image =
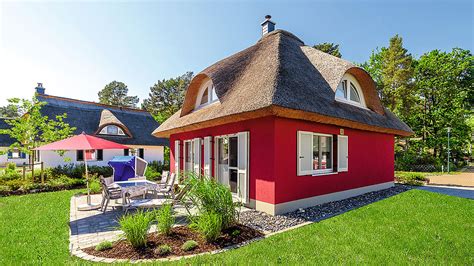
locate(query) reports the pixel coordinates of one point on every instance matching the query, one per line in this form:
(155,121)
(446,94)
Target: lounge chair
(166,189)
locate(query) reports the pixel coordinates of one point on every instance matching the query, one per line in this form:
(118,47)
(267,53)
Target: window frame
(313,172)
(351,80)
(120,131)
(211,95)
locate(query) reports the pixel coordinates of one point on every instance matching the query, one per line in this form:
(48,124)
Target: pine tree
(329,48)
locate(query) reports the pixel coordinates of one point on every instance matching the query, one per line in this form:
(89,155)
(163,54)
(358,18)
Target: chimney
(39,89)
(267,25)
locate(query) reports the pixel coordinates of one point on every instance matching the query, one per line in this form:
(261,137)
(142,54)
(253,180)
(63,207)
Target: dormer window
(112,130)
(349,91)
(207,95)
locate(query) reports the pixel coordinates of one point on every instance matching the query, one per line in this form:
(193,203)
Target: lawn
(413,227)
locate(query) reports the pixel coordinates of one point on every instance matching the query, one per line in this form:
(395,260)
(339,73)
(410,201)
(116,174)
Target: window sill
(326,173)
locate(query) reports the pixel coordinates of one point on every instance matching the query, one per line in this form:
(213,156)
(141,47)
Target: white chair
(166,189)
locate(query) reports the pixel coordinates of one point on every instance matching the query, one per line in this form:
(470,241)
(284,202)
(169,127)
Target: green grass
(415,227)
(34,228)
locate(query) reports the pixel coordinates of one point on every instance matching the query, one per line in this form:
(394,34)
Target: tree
(9,111)
(166,96)
(374,67)
(32,129)
(445,81)
(115,93)
(329,47)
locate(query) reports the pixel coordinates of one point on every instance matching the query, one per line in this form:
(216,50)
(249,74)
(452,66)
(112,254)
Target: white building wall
(4,159)
(53,159)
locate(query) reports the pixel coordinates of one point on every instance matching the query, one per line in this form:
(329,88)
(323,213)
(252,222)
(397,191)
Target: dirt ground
(464,179)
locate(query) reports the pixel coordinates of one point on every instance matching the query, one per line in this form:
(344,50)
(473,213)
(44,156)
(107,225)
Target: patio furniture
(166,189)
(108,193)
(128,167)
(133,188)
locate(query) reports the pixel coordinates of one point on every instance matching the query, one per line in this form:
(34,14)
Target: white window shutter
(342,154)
(207,156)
(197,155)
(177,157)
(305,150)
(243,166)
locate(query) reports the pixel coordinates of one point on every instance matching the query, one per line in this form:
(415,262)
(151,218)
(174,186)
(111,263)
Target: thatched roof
(90,117)
(281,76)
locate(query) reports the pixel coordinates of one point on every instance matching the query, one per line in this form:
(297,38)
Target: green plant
(11,167)
(135,227)
(189,245)
(165,219)
(163,250)
(78,170)
(236,232)
(410,178)
(95,187)
(104,245)
(209,196)
(209,224)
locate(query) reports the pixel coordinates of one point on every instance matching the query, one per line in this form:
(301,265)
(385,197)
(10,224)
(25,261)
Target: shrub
(410,178)
(163,250)
(151,174)
(135,227)
(209,196)
(189,245)
(95,187)
(165,219)
(78,170)
(104,245)
(10,167)
(209,224)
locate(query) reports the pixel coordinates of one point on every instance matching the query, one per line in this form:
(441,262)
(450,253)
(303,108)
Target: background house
(285,126)
(128,126)
(6,156)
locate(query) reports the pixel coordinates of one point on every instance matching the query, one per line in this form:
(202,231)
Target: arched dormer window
(206,95)
(349,91)
(112,130)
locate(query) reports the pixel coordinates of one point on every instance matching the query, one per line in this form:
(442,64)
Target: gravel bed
(268,223)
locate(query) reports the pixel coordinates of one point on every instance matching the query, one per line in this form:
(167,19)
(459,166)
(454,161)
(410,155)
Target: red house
(285,126)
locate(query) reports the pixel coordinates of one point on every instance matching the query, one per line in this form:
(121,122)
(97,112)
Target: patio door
(188,156)
(232,163)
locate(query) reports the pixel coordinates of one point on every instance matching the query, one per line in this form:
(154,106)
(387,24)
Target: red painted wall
(261,150)
(371,161)
(273,158)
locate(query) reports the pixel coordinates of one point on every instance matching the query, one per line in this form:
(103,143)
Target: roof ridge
(93,103)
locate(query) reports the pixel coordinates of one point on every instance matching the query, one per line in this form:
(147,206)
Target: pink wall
(371,161)
(273,159)
(261,149)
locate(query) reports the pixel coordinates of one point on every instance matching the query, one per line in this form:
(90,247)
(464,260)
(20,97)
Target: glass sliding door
(188,156)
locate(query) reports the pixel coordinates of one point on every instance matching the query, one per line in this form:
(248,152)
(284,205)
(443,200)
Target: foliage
(410,178)
(155,168)
(189,245)
(329,47)
(209,224)
(163,250)
(9,111)
(104,245)
(209,196)
(380,232)
(19,185)
(78,170)
(94,186)
(135,227)
(116,93)
(33,129)
(165,219)
(166,96)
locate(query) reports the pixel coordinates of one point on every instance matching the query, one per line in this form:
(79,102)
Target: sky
(76,48)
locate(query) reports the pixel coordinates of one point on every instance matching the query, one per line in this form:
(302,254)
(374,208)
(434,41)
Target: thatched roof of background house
(281,76)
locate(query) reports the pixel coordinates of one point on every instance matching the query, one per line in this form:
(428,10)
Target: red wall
(261,150)
(273,159)
(371,161)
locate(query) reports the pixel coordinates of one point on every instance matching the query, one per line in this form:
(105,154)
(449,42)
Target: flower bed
(122,249)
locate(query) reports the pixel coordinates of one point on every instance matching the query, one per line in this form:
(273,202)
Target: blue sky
(75,48)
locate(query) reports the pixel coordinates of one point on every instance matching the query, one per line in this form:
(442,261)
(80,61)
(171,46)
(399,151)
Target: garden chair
(166,189)
(108,193)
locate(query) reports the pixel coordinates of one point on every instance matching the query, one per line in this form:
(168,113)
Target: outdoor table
(130,186)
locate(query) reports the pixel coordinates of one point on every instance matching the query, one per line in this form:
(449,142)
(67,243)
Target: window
(126,152)
(349,91)
(207,95)
(79,155)
(112,130)
(315,153)
(100,155)
(16,154)
(141,153)
(37,156)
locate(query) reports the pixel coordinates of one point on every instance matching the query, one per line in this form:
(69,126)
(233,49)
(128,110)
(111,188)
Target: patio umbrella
(87,143)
